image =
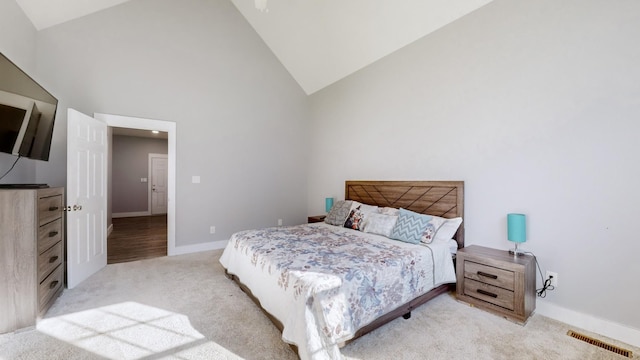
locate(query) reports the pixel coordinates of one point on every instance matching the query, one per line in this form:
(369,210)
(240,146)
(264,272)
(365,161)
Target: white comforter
(325,282)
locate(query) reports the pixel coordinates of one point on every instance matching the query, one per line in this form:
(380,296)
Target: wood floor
(137,238)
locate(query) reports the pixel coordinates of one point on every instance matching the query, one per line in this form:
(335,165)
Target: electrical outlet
(212,230)
(279,222)
(554,280)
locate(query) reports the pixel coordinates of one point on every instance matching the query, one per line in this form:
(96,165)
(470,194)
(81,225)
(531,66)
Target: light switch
(195,179)
(143,179)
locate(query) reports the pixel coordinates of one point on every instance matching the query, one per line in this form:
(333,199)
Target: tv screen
(27,113)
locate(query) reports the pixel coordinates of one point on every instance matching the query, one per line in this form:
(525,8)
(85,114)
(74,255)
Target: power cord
(542,293)
(546,284)
(12,166)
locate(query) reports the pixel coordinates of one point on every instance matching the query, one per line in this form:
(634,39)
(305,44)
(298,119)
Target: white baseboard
(130,214)
(591,323)
(109,229)
(188,249)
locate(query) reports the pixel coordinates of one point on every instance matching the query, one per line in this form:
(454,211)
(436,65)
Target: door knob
(73,208)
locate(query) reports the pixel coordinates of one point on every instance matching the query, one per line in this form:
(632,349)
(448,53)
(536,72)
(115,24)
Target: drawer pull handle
(53,233)
(490,276)
(53,284)
(53,208)
(53,259)
(487,293)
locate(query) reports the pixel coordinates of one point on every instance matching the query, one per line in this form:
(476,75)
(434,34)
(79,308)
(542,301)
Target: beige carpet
(183,307)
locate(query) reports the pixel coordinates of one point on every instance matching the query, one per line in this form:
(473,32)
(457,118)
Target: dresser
(31,254)
(497,281)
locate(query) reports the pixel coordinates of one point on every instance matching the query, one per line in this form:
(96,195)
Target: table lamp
(328,204)
(516,232)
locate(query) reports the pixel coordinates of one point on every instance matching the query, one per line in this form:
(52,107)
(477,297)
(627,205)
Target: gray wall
(130,163)
(18,43)
(241,119)
(534,104)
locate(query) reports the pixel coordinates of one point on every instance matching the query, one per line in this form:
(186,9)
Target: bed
(324,285)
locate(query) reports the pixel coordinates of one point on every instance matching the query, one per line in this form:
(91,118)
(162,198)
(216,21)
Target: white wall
(534,104)
(18,43)
(17,36)
(241,120)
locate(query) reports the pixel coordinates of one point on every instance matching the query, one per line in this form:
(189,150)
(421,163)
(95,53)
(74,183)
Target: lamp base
(516,251)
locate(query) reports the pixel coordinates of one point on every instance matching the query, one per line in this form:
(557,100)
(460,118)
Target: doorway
(137,192)
(164,126)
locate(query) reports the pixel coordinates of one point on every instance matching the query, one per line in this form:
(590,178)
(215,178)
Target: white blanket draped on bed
(325,282)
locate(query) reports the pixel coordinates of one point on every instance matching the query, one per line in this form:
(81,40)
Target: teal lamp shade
(516,228)
(516,231)
(328,204)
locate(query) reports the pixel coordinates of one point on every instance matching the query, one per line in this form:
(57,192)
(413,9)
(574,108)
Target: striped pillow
(410,226)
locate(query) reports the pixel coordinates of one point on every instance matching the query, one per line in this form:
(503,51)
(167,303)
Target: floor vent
(600,344)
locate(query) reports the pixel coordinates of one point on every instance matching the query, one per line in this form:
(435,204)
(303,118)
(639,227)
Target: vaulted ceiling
(318,41)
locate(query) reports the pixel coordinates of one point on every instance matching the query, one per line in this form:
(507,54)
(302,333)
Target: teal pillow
(410,226)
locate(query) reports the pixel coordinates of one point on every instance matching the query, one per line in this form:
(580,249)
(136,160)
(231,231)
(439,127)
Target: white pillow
(366,209)
(453,246)
(380,224)
(448,229)
(389,211)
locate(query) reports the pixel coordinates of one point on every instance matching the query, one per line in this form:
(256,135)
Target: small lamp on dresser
(516,232)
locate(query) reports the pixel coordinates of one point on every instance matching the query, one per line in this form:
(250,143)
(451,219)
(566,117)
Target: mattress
(324,282)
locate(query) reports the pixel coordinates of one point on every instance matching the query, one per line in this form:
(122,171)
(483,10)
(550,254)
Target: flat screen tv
(27,113)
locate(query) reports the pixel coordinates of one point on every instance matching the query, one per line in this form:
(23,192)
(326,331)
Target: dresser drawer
(49,260)
(489,293)
(49,234)
(489,275)
(49,209)
(50,286)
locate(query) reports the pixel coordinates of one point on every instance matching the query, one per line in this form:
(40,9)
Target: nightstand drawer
(489,293)
(489,275)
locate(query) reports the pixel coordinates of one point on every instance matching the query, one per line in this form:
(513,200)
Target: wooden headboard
(439,198)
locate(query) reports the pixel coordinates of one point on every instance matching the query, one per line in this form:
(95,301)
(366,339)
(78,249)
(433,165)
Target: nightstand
(497,281)
(316,218)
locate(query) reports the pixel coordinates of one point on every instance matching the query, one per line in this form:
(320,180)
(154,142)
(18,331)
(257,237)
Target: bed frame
(440,198)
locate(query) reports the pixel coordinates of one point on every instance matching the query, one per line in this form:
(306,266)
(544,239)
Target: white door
(86,197)
(158,165)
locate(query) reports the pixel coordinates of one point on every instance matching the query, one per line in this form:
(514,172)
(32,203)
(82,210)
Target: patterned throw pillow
(338,213)
(410,226)
(430,232)
(358,214)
